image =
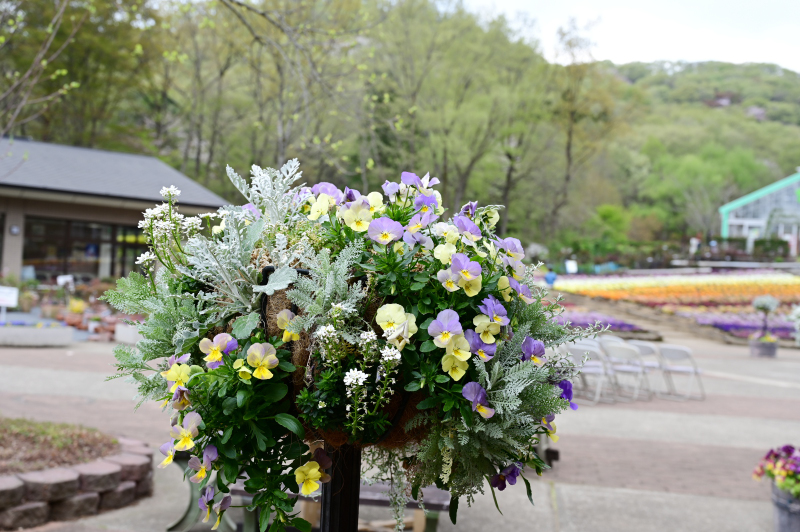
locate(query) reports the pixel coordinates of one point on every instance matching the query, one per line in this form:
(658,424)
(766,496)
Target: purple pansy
(468,269)
(475,393)
(180,398)
(390,188)
(205,501)
(495,310)
(566,393)
(220,507)
(513,248)
(183,359)
(532,350)
(210,455)
(469,209)
(222,344)
(448,278)
(328,188)
(425,203)
(445,327)
(479,347)
(509,474)
(467,228)
(522,290)
(420,221)
(411,179)
(418,238)
(350,194)
(385,230)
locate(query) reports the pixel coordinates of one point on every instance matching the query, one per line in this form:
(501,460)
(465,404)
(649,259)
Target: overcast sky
(734,31)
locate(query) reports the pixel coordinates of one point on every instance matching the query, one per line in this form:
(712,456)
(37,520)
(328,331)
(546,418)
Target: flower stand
(763,349)
(787,511)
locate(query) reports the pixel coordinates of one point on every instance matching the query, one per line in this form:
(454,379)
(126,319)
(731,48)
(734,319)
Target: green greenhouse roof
(760,193)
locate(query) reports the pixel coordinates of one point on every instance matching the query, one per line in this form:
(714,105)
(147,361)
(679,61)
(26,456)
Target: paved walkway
(645,466)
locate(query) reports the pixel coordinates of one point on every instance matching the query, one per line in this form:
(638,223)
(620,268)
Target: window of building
(85,250)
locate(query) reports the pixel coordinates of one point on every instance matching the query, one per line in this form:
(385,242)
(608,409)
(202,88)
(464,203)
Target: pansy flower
(479,347)
(495,310)
(210,455)
(220,508)
(351,194)
(222,344)
(532,350)
(178,373)
(444,252)
(472,287)
(168,450)
(358,216)
(330,190)
(307,477)
(320,206)
(180,398)
(419,221)
(243,371)
(205,501)
(467,228)
(504,287)
(486,328)
(469,209)
(459,347)
(522,290)
(468,269)
(186,432)
(418,238)
(445,327)
(385,230)
(566,393)
(375,202)
(426,203)
(262,358)
(252,209)
(390,189)
(401,334)
(447,231)
(512,247)
(475,393)
(509,474)
(550,427)
(449,280)
(284,318)
(454,366)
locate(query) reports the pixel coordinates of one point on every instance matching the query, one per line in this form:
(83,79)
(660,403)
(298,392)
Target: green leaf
(428,346)
(241,396)
(494,496)
(418,286)
(273,393)
(301,524)
(291,423)
(453,509)
(441,379)
(413,386)
(466,412)
(287,366)
(277,526)
(227,434)
(244,325)
(228,406)
(422,277)
(528,489)
(429,402)
(263,519)
(415,492)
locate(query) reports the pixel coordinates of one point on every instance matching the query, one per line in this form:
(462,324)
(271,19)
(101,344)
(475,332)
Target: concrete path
(646,466)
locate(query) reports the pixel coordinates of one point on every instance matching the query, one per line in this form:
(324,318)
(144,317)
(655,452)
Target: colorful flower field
(738,320)
(697,289)
(582,317)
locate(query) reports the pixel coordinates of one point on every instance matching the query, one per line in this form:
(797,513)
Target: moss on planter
(27,445)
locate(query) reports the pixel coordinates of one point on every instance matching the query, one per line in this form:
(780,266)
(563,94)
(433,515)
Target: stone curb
(64,493)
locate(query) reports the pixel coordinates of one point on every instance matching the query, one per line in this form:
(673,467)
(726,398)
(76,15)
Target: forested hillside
(586,155)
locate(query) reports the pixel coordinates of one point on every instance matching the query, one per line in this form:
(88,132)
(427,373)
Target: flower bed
(92,472)
(581,317)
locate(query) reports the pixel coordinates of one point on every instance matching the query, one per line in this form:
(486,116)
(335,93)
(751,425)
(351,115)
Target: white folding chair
(677,359)
(611,338)
(625,360)
(597,366)
(651,358)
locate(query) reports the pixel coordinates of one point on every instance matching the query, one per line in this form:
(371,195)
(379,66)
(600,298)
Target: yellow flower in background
(444,253)
(284,318)
(262,358)
(320,206)
(505,288)
(307,477)
(77,306)
(472,287)
(454,367)
(244,372)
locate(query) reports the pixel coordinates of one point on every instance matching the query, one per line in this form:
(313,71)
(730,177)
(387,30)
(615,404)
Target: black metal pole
(340,495)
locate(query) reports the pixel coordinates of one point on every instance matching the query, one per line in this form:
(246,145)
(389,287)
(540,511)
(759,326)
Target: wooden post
(340,495)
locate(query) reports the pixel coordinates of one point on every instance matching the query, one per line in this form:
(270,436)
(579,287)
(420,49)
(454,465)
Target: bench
(436,501)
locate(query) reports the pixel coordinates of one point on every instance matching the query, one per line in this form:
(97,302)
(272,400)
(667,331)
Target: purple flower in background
(566,393)
(475,393)
(468,269)
(249,207)
(210,454)
(205,500)
(350,194)
(385,230)
(469,209)
(513,247)
(411,179)
(522,290)
(445,327)
(425,203)
(495,310)
(509,474)
(390,189)
(532,350)
(467,228)
(418,238)
(479,347)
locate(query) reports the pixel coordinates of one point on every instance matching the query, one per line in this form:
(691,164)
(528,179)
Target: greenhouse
(770,212)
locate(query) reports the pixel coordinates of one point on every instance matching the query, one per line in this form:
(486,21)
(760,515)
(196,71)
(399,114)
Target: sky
(622,31)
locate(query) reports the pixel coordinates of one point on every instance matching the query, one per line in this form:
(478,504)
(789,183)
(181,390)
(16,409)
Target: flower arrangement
(319,315)
(766,305)
(782,465)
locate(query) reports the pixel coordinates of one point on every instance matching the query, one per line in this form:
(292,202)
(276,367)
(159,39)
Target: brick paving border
(64,493)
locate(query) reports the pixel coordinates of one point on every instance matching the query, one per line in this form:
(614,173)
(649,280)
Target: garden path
(645,466)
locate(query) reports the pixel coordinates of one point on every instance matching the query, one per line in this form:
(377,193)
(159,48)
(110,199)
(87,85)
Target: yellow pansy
(262,358)
(244,371)
(492,217)
(455,367)
(307,477)
(284,318)
(375,200)
(179,374)
(399,248)
(471,287)
(390,316)
(444,253)
(486,328)
(505,288)
(320,206)
(459,347)
(358,217)
(402,333)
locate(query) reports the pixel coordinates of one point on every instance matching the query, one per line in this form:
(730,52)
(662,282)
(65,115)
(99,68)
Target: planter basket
(763,349)
(400,410)
(787,511)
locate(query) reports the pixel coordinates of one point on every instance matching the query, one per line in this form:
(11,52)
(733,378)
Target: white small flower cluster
(146,258)
(170,192)
(208,215)
(368,337)
(355,377)
(192,225)
(322,404)
(326,332)
(390,354)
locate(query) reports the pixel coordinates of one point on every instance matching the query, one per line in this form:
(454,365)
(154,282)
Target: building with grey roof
(68,210)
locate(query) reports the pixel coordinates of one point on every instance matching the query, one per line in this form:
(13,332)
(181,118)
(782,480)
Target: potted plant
(405,342)
(783,467)
(762,343)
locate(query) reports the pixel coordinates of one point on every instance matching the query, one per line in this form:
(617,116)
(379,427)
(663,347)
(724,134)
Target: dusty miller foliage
(272,191)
